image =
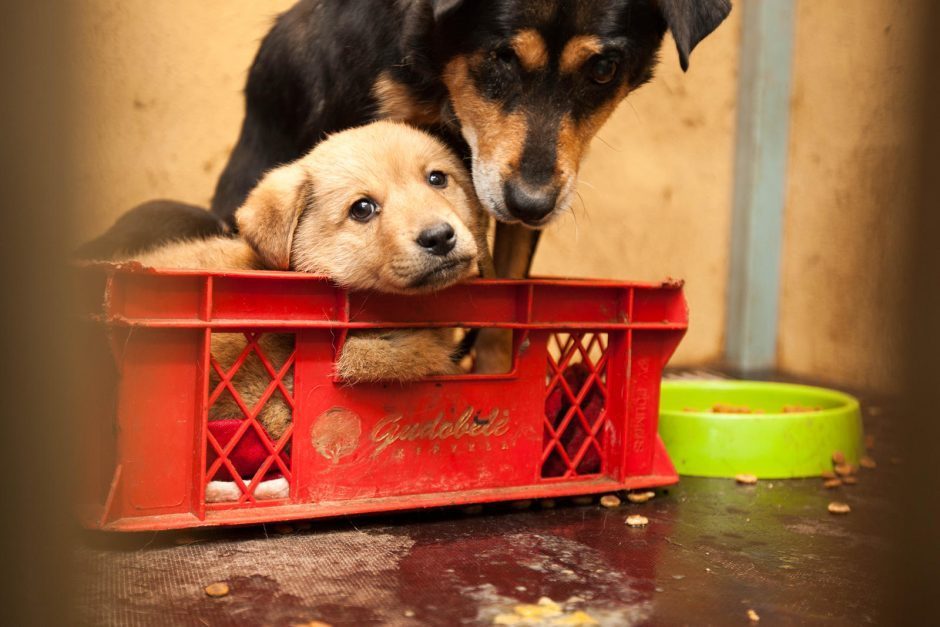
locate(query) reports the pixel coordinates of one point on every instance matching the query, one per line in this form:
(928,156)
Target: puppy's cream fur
(297,218)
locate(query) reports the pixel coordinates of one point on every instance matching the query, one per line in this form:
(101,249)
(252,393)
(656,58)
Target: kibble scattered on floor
(837,507)
(218,589)
(641,497)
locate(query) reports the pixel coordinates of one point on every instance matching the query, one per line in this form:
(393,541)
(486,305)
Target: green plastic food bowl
(769,445)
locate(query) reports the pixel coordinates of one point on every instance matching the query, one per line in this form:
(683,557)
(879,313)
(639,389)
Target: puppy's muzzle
(531,205)
(445,271)
(438,240)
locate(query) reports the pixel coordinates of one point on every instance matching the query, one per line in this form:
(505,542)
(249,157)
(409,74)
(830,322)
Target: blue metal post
(760,183)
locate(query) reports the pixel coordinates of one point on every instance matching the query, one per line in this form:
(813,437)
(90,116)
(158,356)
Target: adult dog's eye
(602,70)
(437,179)
(505,55)
(363,210)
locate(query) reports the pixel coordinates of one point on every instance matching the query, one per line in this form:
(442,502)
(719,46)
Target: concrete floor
(712,550)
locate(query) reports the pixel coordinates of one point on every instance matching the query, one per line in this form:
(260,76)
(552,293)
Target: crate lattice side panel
(576,425)
(250,419)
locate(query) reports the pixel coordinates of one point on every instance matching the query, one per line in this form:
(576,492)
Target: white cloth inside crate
(228,491)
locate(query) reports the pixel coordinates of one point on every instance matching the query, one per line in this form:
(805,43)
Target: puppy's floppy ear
(690,21)
(443,7)
(269,216)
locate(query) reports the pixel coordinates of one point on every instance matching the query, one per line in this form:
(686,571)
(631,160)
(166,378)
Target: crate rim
(133,267)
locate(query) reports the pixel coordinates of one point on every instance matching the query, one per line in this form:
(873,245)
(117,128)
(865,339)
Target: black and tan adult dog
(519,87)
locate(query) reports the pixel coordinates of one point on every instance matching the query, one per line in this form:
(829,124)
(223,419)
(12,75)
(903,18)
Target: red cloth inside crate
(556,407)
(247,456)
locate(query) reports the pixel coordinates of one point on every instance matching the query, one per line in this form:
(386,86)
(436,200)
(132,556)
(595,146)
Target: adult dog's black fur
(519,87)
(153,224)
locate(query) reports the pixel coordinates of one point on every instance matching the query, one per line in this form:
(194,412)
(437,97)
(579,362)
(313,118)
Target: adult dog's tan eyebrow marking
(531,50)
(395,102)
(578,50)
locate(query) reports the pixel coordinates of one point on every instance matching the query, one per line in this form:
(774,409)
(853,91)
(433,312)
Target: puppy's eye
(363,210)
(437,179)
(602,69)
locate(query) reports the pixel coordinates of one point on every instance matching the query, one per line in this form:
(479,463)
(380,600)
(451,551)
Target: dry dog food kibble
(844,470)
(828,475)
(838,457)
(609,500)
(832,483)
(746,479)
(640,497)
(837,507)
(545,612)
(637,521)
(867,462)
(752,616)
(849,480)
(219,589)
(799,409)
(723,408)
(728,408)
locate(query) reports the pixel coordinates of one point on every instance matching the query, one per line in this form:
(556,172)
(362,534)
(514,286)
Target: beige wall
(161,97)
(848,190)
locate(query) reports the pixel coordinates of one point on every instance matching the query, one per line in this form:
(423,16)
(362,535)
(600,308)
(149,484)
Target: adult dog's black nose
(438,240)
(529,204)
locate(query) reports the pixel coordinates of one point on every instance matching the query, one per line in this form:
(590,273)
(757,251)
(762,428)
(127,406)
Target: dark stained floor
(712,550)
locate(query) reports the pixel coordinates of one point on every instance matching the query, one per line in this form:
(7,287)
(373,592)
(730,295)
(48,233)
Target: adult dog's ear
(269,216)
(690,21)
(443,7)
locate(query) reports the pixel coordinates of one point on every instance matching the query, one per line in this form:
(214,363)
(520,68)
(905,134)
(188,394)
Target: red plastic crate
(576,415)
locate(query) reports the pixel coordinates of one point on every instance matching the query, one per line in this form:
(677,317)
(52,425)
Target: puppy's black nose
(531,205)
(438,240)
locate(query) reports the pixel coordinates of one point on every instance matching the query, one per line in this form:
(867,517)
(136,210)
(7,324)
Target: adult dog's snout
(531,205)
(438,240)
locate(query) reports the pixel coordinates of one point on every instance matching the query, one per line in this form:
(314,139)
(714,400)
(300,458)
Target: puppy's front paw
(396,356)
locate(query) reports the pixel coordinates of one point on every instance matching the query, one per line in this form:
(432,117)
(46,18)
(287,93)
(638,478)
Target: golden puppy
(381,207)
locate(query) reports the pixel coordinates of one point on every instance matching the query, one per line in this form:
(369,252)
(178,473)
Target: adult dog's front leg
(513,251)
